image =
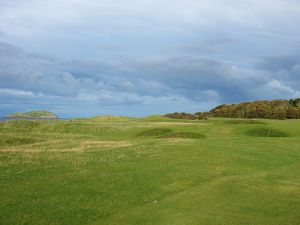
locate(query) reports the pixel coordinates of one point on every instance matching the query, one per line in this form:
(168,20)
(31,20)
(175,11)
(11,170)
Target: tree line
(276,109)
(188,116)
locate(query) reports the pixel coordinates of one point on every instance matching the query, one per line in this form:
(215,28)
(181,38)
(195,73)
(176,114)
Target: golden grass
(64,146)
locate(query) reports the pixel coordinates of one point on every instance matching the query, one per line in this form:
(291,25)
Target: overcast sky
(140,57)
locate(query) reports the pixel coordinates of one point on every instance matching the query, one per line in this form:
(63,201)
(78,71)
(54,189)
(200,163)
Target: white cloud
(15,93)
(279,89)
(68,27)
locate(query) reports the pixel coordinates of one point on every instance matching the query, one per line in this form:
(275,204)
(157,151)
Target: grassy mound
(190,135)
(243,122)
(154,132)
(266,132)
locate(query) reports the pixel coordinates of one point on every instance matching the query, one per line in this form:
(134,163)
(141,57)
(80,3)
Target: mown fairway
(151,171)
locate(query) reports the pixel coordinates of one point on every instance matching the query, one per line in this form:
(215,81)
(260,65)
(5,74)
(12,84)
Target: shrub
(182,115)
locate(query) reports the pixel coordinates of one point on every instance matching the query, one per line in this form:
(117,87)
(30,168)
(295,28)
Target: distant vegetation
(277,109)
(188,116)
(182,115)
(42,114)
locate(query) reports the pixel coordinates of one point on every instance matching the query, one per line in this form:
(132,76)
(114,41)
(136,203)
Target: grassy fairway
(114,170)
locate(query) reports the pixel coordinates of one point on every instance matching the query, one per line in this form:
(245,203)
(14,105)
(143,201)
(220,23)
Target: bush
(182,115)
(202,115)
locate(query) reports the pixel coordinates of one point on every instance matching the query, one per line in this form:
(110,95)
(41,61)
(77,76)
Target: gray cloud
(194,82)
(71,28)
(286,63)
(146,56)
(285,69)
(28,80)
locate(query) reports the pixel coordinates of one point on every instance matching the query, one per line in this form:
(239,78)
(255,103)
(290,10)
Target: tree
(293,113)
(202,115)
(279,113)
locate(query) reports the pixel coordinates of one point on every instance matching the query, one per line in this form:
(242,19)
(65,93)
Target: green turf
(103,171)
(243,121)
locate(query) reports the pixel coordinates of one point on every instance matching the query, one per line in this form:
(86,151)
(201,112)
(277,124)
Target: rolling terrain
(153,170)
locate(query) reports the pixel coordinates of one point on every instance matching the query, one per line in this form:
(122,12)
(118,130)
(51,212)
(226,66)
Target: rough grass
(266,132)
(191,135)
(246,121)
(99,171)
(13,141)
(154,132)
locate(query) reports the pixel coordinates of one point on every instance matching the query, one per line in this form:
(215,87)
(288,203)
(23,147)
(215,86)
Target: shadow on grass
(265,132)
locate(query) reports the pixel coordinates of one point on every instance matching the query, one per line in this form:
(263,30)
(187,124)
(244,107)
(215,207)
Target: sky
(80,58)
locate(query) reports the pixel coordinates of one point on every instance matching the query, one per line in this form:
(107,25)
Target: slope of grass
(99,171)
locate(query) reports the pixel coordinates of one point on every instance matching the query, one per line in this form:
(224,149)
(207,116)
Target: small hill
(41,114)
